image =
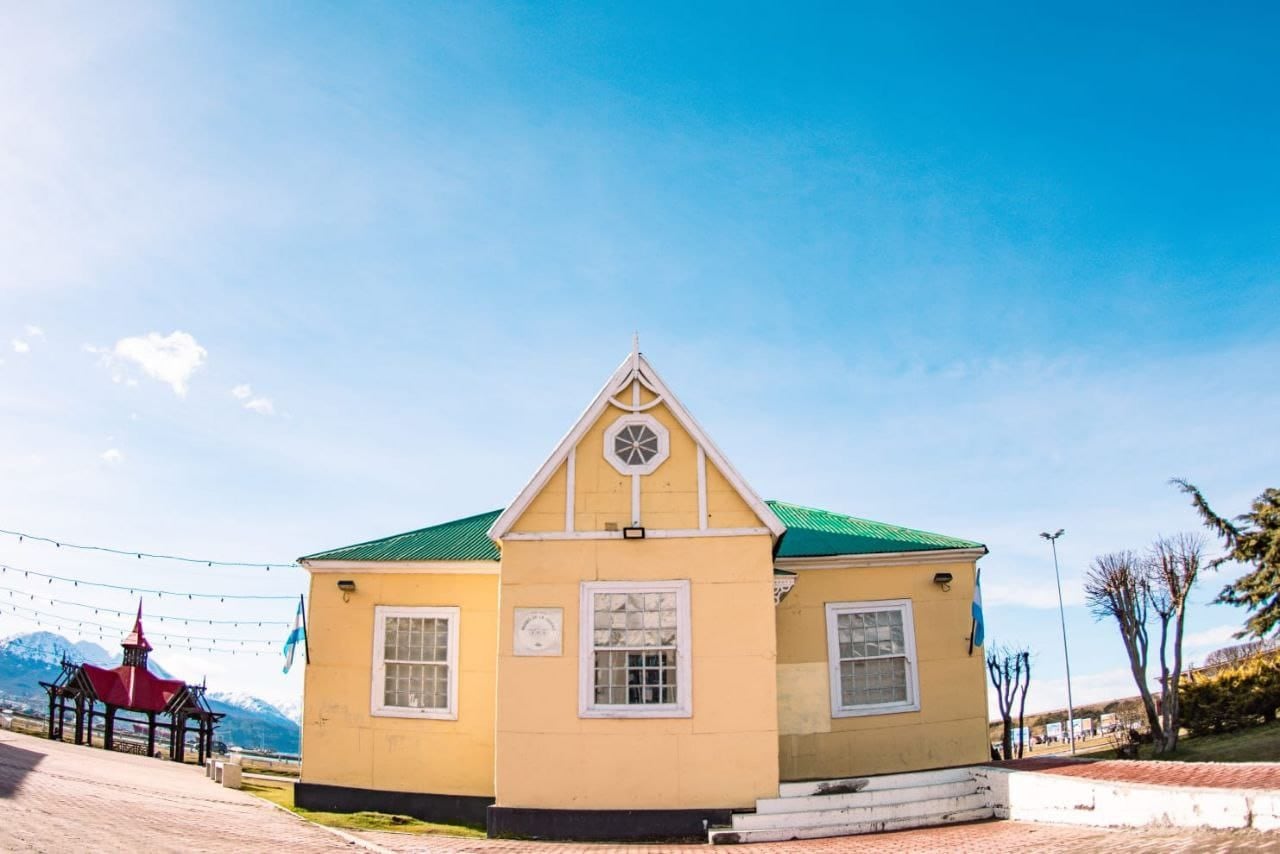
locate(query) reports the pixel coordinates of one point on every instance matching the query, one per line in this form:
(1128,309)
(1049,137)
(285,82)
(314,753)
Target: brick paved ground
(980,838)
(56,797)
(1213,775)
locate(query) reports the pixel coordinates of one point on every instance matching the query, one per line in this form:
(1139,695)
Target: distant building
(636,645)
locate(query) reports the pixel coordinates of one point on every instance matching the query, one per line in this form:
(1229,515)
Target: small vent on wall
(611,526)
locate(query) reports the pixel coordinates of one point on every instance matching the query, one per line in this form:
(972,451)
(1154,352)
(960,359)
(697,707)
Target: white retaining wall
(1031,796)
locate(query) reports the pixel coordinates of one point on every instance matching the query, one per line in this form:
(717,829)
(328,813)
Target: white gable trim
(508,517)
(635,368)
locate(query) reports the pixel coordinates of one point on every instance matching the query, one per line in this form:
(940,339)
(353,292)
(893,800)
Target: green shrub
(1240,695)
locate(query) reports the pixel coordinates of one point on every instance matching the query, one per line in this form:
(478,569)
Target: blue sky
(984,272)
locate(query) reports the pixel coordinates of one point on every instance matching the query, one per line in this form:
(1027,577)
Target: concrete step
(846,785)
(869,797)
(729,836)
(862,813)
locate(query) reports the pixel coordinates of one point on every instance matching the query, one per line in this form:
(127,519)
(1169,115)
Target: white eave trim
(649,533)
(882,559)
(634,366)
(392,567)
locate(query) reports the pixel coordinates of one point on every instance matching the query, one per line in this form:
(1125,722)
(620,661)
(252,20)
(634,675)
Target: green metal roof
(810,533)
(461,539)
(820,533)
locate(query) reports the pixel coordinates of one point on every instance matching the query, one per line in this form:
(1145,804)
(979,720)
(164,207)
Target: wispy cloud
(171,359)
(34,331)
(20,346)
(252,402)
(112,456)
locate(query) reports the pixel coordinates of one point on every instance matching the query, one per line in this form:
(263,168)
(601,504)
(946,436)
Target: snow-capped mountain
(249,703)
(51,648)
(291,710)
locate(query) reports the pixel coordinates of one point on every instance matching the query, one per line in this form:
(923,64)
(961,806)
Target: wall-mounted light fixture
(347,586)
(942,579)
(633,533)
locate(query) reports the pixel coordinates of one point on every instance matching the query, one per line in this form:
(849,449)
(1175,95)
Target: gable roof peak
(634,373)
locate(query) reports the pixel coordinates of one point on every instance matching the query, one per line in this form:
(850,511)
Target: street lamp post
(1062,615)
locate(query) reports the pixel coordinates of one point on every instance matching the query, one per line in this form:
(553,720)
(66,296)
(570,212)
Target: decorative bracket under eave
(783,581)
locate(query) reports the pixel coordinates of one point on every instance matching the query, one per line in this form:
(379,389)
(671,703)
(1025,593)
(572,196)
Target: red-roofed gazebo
(131,687)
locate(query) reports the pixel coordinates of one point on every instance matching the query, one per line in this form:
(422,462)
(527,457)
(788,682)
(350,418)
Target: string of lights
(22,536)
(161,617)
(54,623)
(169,635)
(76,582)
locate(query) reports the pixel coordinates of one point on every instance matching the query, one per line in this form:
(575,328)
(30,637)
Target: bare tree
(1241,652)
(1117,586)
(1173,566)
(1010,669)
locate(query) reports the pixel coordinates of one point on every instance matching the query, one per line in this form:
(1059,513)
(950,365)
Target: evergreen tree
(1252,538)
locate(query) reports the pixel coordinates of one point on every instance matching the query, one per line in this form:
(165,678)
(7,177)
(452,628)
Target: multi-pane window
(415,662)
(871,651)
(635,649)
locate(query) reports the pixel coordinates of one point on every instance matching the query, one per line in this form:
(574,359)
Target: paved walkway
(980,838)
(57,797)
(1212,775)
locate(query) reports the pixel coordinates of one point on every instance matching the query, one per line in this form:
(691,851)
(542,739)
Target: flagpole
(306,641)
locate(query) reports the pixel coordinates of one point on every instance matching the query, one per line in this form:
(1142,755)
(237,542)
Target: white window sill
(863,711)
(428,714)
(633,712)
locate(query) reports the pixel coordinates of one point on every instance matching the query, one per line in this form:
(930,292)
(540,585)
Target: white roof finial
(635,344)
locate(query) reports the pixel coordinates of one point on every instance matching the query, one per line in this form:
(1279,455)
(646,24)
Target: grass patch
(282,794)
(1255,744)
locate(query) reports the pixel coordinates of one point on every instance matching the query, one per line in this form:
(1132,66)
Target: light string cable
(21,535)
(75,657)
(6,568)
(80,623)
(69,624)
(161,617)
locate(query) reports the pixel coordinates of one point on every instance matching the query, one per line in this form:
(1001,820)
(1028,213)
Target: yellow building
(636,646)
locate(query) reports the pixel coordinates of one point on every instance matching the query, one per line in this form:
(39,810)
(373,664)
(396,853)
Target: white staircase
(862,805)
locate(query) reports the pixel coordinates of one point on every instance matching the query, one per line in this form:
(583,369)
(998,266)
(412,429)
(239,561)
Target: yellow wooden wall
(345,745)
(951,726)
(725,755)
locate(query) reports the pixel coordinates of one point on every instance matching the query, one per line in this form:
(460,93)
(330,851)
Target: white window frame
(644,420)
(834,609)
(377,698)
(587,705)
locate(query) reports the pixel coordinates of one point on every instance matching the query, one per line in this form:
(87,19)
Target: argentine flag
(298,635)
(978,628)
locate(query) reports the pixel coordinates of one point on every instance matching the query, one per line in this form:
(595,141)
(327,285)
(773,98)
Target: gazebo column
(108,739)
(52,719)
(151,734)
(200,754)
(79,719)
(88,724)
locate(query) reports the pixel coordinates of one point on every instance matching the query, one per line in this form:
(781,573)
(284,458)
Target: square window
(415,662)
(640,666)
(871,653)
